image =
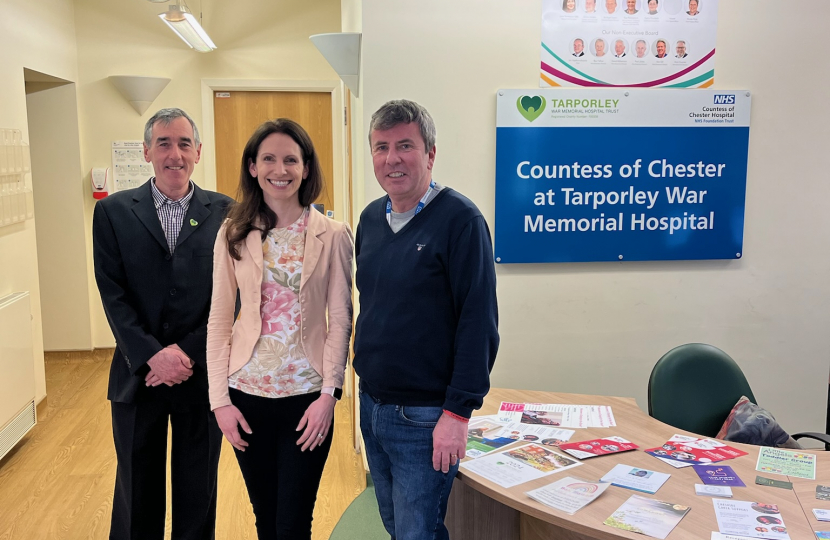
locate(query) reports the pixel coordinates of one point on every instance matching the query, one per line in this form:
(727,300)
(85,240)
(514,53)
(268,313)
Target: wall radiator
(17,371)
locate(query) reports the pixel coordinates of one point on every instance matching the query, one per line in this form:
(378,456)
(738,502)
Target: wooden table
(481,510)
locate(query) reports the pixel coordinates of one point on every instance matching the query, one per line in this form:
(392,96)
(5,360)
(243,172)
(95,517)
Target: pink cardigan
(326,282)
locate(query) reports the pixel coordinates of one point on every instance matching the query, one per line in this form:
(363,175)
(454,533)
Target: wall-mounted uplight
(185,25)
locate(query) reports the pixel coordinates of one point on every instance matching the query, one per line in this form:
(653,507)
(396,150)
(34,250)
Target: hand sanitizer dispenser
(100,178)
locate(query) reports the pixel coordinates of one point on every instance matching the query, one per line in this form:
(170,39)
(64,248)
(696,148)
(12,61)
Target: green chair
(694,387)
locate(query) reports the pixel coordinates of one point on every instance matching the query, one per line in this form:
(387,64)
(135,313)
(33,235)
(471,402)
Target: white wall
(57,181)
(256,41)
(39,36)
(599,328)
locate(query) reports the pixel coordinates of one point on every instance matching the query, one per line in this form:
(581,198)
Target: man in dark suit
(153,251)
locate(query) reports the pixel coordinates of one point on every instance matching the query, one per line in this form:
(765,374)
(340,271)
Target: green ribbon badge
(193,222)
(530,107)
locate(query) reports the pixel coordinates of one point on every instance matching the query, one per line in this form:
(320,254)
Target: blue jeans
(412,496)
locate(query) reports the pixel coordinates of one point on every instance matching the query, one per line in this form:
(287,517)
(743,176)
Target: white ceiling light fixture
(185,25)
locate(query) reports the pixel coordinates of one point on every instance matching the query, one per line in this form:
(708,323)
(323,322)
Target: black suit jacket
(153,298)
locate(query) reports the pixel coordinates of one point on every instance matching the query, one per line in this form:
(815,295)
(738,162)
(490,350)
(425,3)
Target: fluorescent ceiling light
(185,25)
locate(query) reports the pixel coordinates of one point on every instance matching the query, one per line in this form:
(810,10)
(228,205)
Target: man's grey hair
(403,111)
(165,116)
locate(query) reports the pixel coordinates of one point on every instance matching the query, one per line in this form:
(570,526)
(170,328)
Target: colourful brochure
(696,451)
(647,516)
(718,475)
(637,479)
(597,447)
(786,462)
(753,519)
(510,468)
(822,534)
(483,436)
(569,494)
(549,436)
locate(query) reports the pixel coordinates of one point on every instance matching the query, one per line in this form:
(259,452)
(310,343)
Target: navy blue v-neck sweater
(427,333)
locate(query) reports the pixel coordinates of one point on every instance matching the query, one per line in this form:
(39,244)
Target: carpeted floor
(361,520)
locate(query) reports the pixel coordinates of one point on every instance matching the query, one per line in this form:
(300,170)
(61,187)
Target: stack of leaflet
(549,414)
(684,451)
(488,433)
(516,466)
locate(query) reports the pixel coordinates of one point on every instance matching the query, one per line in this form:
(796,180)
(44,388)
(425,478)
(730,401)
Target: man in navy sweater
(427,333)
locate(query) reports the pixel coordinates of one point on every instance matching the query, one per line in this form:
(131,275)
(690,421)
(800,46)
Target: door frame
(333,87)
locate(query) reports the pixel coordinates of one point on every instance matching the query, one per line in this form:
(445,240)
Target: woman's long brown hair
(251,212)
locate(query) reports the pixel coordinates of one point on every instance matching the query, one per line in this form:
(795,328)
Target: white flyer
(557,415)
(753,519)
(635,478)
(709,490)
(674,463)
(129,167)
(721,536)
(519,465)
(568,494)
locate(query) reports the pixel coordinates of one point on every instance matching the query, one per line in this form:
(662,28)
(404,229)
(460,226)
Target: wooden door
(238,114)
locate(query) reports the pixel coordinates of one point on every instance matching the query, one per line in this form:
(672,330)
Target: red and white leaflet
(597,447)
(694,450)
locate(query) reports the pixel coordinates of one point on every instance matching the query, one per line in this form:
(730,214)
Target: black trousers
(140,434)
(282,481)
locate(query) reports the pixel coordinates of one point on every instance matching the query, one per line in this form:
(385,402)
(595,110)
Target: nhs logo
(724,99)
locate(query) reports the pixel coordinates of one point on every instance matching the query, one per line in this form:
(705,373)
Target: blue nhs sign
(724,99)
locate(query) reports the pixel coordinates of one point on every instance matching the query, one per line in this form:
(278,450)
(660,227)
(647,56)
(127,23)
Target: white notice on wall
(129,169)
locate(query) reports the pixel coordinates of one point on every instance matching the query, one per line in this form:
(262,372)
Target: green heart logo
(530,107)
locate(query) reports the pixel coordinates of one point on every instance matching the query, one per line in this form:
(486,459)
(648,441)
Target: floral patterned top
(279,366)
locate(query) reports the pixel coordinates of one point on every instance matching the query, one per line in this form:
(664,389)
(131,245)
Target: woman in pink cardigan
(277,371)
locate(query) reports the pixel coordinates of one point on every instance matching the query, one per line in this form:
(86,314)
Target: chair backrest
(694,386)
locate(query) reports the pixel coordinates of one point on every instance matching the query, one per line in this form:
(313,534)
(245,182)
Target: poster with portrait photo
(644,43)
